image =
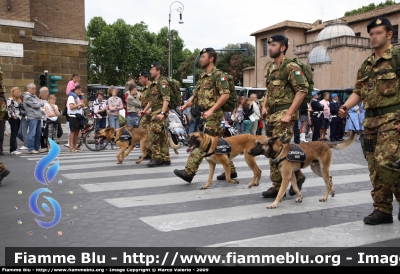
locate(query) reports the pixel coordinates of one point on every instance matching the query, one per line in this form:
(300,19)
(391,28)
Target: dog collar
(276,161)
(207,149)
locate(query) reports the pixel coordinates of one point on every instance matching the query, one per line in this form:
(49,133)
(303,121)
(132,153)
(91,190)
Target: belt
(279,108)
(381,111)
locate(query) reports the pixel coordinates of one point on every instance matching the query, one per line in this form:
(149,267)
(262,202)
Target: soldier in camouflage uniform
(378,85)
(210,97)
(159,98)
(281,104)
(144,97)
(3,109)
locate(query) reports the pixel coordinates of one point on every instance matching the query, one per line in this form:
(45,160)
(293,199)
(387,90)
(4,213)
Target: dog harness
(125,136)
(295,154)
(223,148)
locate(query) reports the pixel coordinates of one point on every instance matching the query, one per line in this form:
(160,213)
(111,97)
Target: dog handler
(210,103)
(144,97)
(377,84)
(281,104)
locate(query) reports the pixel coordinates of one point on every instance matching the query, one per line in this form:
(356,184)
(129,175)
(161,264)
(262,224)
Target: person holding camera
(14,104)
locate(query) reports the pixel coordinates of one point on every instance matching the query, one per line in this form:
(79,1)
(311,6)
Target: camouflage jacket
(145,96)
(206,92)
(379,91)
(159,92)
(280,94)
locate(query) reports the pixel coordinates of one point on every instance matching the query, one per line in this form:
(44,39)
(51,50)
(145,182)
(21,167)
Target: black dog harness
(125,136)
(295,154)
(223,148)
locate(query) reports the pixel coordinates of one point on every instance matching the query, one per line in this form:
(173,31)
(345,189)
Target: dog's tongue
(190,149)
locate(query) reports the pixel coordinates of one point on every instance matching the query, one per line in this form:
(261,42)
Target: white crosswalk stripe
(139,189)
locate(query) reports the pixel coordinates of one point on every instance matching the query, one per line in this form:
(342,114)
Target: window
(265,47)
(358,34)
(395,39)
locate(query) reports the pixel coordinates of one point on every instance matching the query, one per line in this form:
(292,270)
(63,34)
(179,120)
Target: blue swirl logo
(44,174)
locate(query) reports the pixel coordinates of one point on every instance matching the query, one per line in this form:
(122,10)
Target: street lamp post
(180,10)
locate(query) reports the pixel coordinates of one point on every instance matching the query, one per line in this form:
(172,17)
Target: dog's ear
(273,140)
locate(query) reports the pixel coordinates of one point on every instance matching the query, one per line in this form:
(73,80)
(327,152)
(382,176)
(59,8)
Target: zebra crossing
(134,186)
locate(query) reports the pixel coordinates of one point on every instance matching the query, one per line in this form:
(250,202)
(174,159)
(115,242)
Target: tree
(118,50)
(370,7)
(186,67)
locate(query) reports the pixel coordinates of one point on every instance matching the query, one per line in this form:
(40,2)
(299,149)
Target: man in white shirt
(74,112)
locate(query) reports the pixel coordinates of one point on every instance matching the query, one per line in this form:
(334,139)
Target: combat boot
(3,174)
(271,193)
(299,185)
(378,217)
(222,177)
(183,175)
(154,162)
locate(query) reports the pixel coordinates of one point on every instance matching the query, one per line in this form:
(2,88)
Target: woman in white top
(74,108)
(14,104)
(43,96)
(114,106)
(256,114)
(52,113)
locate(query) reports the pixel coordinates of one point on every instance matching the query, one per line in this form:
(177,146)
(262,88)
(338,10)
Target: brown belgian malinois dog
(139,135)
(240,144)
(318,156)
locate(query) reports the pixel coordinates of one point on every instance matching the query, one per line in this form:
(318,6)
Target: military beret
(379,21)
(144,73)
(334,95)
(278,38)
(206,50)
(155,64)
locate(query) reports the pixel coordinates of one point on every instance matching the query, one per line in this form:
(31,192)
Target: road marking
(214,193)
(342,235)
(172,181)
(193,219)
(146,170)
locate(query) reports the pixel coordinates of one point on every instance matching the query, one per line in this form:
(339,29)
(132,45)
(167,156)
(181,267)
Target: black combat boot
(3,174)
(378,217)
(154,163)
(271,193)
(299,185)
(148,157)
(165,163)
(183,175)
(223,178)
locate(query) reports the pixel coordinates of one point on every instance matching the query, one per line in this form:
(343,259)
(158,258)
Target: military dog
(139,135)
(240,144)
(318,156)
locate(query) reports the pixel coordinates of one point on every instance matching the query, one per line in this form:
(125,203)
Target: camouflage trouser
(278,129)
(158,138)
(213,125)
(384,176)
(145,123)
(2,166)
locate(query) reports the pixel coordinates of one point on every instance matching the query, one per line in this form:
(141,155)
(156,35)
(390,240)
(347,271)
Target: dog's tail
(346,143)
(171,142)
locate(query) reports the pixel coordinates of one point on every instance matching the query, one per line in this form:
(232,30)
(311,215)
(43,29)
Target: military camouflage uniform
(207,98)
(380,131)
(159,91)
(279,94)
(145,119)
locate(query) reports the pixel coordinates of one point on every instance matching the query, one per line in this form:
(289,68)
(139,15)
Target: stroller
(228,127)
(179,132)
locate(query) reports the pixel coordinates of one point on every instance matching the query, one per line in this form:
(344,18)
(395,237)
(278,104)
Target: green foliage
(370,7)
(186,67)
(118,50)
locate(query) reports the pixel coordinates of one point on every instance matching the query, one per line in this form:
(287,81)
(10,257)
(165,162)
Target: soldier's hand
(183,108)
(207,114)
(264,111)
(398,128)
(342,113)
(140,113)
(148,112)
(286,119)
(160,117)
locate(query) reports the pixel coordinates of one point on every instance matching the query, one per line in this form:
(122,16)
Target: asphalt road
(108,205)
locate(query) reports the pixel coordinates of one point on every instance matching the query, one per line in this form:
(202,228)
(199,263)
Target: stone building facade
(335,49)
(38,35)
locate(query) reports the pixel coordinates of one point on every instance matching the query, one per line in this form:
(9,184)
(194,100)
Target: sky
(216,23)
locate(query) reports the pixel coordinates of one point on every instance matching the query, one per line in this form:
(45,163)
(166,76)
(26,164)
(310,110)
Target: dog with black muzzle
(317,155)
(214,154)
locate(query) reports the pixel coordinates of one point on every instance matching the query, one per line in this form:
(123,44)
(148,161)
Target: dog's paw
(119,163)
(271,206)
(333,193)
(323,200)
(299,200)
(250,185)
(235,182)
(138,162)
(204,187)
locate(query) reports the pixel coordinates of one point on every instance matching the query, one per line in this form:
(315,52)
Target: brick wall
(17,72)
(20,10)
(62,60)
(65,19)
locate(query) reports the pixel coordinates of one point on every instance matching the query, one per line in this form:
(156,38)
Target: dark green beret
(279,38)
(155,64)
(144,73)
(377,22)
(206,50)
